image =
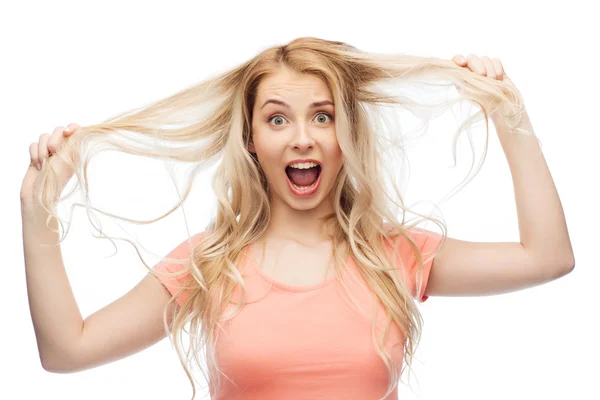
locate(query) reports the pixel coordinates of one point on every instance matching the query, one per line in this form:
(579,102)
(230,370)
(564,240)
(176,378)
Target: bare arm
(55,315)
(67,343)
(126,326)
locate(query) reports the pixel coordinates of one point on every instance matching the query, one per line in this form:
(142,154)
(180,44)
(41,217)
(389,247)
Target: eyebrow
(283,103)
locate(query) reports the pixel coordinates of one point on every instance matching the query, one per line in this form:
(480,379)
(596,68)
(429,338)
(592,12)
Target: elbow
(56,368)
(57,364)
(570,268)
(62,358)
(565,267)
(552,269)
(570,263)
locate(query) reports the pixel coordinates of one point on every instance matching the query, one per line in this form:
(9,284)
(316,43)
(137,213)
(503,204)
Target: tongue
(302,177)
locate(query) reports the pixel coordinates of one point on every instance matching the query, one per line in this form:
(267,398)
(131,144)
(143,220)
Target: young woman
(303,285)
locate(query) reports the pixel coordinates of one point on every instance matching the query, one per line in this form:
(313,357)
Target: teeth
(304,188)
(305,165)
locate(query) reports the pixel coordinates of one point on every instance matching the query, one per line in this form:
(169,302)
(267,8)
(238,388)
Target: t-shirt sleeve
(427,242)
(182,253)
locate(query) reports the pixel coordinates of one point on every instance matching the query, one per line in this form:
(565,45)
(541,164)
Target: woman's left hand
(484,66)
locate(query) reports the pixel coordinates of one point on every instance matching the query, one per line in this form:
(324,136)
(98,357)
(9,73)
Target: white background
(82,62)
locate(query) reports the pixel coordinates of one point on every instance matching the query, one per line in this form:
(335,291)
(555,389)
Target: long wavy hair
(211,123)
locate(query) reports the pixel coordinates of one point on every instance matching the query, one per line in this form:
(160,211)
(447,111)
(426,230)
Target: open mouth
(304,178)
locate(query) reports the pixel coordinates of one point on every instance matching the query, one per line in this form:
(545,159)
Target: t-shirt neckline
(284,286)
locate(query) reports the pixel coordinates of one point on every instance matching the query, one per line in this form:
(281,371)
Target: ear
(251,147)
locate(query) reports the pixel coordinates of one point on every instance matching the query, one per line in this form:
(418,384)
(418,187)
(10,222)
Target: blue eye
(328,116)
(276,116)
(281,117)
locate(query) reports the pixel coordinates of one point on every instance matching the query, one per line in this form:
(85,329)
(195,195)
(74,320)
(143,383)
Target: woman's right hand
(39,152)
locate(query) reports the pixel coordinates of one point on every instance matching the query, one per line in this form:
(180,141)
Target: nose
(302,139)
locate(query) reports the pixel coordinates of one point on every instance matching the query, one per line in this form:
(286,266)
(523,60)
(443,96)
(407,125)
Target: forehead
(290,84)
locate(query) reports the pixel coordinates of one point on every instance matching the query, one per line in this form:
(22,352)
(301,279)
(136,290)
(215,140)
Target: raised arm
(67,343)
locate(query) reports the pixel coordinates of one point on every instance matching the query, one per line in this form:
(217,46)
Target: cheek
(268,152)
(333,151)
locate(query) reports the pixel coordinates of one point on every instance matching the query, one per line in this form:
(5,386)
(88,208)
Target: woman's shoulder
(416,233)
(184,247)
(425,240)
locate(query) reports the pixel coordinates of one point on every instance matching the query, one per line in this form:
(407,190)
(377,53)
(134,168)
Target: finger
(489,67)
(72,127)
(55,139)
(499,68)
(33,154)
(475,64)
(459,60)
(43,148)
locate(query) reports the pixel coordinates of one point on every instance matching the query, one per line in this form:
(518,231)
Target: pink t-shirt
(306,342)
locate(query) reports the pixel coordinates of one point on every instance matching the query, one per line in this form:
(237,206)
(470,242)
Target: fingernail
(39,166)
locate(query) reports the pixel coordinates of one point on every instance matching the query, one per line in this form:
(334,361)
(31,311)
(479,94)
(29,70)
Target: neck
(302,226)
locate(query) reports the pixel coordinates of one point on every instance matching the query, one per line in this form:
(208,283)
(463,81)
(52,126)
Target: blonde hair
(212,121)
